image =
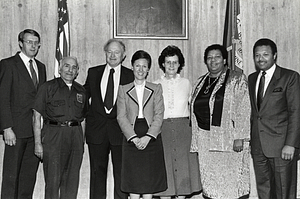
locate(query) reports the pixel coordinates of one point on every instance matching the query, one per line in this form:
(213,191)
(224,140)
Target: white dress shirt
(176,93)
(268,77)
(25,60)
(104,80)
(140,93)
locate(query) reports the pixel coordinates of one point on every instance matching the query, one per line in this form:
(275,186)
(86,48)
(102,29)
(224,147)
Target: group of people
(166,138)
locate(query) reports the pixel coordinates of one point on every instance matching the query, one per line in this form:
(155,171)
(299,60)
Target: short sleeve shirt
(56,102)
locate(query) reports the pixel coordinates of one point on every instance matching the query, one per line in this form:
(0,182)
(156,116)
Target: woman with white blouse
(182,166)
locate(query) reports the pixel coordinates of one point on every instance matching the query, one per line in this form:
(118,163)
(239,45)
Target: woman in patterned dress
(220,116)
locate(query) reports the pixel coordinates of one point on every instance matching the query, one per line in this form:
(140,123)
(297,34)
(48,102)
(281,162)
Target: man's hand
(287,152)
(238,145)
(38,150)
(9,137)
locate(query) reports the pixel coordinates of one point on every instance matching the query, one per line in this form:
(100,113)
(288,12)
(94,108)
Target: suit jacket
(98,123)
(277,123)
(128,108)
(17,95)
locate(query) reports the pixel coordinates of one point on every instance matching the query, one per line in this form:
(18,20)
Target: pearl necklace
(210,84)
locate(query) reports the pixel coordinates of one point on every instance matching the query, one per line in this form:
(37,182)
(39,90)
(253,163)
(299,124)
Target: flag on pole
(232,38)
(63,35)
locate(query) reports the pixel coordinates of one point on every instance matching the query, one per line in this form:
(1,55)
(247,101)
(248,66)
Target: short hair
(219,47)
(114,40)
(64,58)
(140,54)
(30,31)
(265,42)
(170,51)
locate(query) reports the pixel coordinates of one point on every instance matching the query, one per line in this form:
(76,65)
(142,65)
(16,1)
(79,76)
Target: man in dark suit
(20,77)
(103,134)
(275,123)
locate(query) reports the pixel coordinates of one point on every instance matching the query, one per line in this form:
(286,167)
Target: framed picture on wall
(150,19)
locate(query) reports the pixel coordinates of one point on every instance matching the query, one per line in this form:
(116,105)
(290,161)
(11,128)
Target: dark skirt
(143,171)
(183,174)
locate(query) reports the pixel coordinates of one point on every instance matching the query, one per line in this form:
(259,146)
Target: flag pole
(233,18)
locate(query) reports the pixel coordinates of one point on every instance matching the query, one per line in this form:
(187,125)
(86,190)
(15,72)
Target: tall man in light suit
(103,134)
(275,123)
(20,77)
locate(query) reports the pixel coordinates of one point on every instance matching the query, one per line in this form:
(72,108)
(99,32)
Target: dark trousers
(63,153)
(19,170)
(275,178)
(99,156)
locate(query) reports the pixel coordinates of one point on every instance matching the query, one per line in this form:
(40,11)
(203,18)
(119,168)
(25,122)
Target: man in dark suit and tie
(103,134)
(275,123)
(20,77)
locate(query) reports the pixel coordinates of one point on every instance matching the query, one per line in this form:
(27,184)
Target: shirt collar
(24,58)
(116,68)
(139,86)
(176,77)
(270,71)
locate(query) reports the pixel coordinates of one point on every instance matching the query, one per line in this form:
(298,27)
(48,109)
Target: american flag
(63,35)
(232,38)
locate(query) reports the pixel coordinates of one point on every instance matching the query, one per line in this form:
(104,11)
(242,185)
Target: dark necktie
(260,92)
(109,96)
(33,74)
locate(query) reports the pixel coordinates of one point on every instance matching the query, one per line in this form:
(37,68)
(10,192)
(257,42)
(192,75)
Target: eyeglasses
(169,63)
(30,42)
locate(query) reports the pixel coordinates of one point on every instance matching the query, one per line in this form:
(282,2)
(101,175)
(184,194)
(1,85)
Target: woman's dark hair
(219,47)
(140,54)
(170,51)
(265,42)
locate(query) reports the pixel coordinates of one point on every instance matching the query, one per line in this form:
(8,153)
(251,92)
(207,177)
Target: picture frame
(150,19)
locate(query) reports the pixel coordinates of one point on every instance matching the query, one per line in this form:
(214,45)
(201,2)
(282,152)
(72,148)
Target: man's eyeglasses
(36,43)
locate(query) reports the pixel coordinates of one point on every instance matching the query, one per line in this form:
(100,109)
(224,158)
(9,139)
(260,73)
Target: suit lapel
(132,94)
(148,92)
(252,85)
(42,72)
(271,86)
(98,78)
(23,70)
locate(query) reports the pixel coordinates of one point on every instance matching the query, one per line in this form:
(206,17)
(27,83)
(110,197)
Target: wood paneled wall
(91,23)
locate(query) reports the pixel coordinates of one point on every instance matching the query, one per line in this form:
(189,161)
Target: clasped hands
(141,143)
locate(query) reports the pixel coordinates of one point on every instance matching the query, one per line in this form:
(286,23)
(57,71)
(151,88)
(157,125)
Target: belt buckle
(69,123)
(66,123)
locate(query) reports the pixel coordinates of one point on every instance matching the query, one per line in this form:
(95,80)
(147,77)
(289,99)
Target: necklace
(210,84)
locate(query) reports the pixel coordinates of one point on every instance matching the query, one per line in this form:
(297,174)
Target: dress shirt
(176,93)
(104,80)
(140,93)
(268,77)
(25,60)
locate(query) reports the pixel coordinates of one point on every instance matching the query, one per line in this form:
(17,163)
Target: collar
(172,79)
(270,71)
(24,58)
(139,85)
(116,68)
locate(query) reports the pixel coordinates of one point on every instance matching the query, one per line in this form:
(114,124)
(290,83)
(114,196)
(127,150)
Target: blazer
(277,123)
(98,123)
(17,95)
(128,109)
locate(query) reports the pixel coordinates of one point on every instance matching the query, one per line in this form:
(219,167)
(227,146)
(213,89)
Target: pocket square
(277,90)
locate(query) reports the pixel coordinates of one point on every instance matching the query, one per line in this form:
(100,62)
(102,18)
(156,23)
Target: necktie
(260,92)
(33,74)
(109,96)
